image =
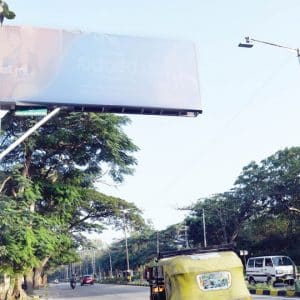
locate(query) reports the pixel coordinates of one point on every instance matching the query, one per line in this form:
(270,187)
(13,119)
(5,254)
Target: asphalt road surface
(62,291)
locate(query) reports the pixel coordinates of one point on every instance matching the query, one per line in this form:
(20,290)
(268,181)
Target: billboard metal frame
(104,109)
(93,72)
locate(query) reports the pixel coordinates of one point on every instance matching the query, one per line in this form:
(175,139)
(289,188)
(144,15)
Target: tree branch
(4,182)
(80,221)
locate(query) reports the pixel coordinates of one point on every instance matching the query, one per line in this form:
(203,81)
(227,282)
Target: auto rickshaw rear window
(214,281)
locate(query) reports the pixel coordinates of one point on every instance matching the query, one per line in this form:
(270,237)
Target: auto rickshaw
(198,274)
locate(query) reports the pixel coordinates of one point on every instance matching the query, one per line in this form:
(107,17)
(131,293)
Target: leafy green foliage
(5,12)
(17,239)
(76,146)
(52,175)
(142,247)
(256,211)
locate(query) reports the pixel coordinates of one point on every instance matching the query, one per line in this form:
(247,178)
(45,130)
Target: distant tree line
(255,214)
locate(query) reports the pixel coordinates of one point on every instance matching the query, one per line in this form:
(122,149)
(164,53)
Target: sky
(250,97)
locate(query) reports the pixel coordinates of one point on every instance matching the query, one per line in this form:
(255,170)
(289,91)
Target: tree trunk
(28,282)
(37,277)
(234,235)
(44,279)
(4,287)
(225,238)
(16,291)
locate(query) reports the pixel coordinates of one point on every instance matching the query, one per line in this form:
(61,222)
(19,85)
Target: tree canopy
(48,184)
(5,12)
(256,212)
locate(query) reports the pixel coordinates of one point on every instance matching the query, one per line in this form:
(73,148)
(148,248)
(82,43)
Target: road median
(282,293)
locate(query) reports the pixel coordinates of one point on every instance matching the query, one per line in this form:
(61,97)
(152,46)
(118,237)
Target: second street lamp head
(247,43)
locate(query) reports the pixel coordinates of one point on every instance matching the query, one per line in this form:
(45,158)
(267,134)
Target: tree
(53,173)
(260,199)
(282,183)
(5,12)
(17,241)
(224,215)
(142,247)
(216,220)
(82,146)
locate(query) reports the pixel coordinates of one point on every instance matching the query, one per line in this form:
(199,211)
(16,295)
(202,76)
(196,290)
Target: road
(63,291)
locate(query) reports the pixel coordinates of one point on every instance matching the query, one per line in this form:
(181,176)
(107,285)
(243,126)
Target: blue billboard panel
(97,72)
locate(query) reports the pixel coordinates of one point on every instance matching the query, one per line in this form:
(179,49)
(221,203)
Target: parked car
(270,269)
(87,279)
(55,281)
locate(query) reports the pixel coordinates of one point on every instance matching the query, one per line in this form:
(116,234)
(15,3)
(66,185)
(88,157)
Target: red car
(87,279)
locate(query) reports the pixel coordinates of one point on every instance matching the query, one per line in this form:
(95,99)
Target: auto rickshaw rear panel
(207,274)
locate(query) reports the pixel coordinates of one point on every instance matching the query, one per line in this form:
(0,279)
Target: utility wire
(194,162)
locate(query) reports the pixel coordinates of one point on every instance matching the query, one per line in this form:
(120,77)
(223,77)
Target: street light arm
(276,45)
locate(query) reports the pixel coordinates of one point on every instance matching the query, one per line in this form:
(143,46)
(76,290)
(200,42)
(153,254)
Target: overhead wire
(194,161)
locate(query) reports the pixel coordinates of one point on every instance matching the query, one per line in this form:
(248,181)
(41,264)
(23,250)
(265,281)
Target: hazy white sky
(250,97)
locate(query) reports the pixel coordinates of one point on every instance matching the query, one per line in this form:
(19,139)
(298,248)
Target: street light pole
(249,43)
(126,244)
(157,243)
(110,264)
(93,262)
(186,238)
(204,229)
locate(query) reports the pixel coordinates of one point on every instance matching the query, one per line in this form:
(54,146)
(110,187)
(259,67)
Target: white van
(270,269)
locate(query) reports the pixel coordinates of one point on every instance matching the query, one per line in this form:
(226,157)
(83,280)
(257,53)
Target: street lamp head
(247,43)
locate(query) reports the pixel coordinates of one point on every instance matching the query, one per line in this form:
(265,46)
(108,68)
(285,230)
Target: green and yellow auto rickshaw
(198,274)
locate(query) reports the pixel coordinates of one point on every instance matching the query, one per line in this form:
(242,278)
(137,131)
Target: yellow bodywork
(183,277)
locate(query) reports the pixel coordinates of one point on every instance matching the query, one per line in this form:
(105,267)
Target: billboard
(97,72)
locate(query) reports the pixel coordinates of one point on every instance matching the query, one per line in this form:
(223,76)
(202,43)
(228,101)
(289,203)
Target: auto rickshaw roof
(187,251)
(200,263)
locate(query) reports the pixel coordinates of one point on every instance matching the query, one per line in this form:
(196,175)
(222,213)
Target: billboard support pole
(2,114)
(29,132)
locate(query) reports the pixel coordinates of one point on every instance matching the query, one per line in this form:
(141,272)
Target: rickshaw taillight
(158,289)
